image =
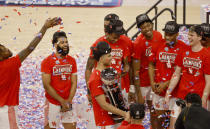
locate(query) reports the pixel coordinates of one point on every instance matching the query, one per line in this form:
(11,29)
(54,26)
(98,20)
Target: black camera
(181,103)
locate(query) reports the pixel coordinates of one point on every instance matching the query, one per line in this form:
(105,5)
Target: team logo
(117,53)
(148,51)
(167,57)
(62,70)
(192,63)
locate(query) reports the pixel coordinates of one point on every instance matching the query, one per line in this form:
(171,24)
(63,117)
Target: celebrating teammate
(10,79)
(102,53)
(59,76)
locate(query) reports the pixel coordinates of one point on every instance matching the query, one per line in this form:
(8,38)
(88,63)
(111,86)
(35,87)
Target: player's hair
(113,27)
(57,35)
(111,16)
(197,29)
(193,98)
(101,49)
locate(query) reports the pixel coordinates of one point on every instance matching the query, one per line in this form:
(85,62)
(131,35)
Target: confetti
(166,48)
(61,27)
(146,43)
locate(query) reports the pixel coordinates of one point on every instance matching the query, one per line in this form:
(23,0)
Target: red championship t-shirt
(126,125)
(126,79)
(119,51)
(60,70)
(194,65)
(102,118)
(142,50)
(164,59)
(10,81)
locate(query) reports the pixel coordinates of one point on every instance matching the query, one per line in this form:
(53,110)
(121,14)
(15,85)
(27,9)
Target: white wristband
(132,89)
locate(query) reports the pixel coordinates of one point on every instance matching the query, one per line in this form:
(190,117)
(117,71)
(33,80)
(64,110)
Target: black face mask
(61,51)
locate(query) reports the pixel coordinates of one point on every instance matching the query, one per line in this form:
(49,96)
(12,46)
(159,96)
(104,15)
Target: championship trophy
(112,89)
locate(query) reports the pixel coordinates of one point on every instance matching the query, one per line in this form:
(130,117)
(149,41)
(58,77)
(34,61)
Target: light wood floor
(83,34)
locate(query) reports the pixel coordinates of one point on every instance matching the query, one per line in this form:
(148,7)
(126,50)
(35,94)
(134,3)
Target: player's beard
(62,51)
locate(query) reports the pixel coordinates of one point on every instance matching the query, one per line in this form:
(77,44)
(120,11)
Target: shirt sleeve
(14,61)
(125,123)
(74,66)
(45,68)
(95,88)
(138,49)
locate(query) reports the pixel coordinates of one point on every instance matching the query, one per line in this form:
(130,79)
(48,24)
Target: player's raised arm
(27,51)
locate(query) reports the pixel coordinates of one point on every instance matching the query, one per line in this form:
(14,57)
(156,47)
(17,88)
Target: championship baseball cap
(111,16)
(137,111)
(115,26)
(205,29)
(171,27)
(101,49)
(142,18)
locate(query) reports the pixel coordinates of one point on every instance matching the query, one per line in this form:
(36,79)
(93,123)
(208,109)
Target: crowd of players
(154,70)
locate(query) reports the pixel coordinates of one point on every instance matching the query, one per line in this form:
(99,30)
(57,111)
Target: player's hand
(154,87)
(64,106)
(204,101)
(131,97)
(50,22)
(127,117)
(161,87)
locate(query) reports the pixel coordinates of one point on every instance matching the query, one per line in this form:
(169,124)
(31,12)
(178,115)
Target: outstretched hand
(50,22)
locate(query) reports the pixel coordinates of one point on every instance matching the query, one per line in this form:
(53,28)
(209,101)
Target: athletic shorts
(54,117)
(8,117)
(147,92)
(159,102)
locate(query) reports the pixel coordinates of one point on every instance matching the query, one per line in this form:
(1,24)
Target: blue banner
(68,3)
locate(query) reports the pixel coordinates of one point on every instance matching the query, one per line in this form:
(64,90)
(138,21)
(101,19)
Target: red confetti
(15,10)
(78,22)
(7,16)
(61,27)
(19,13)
